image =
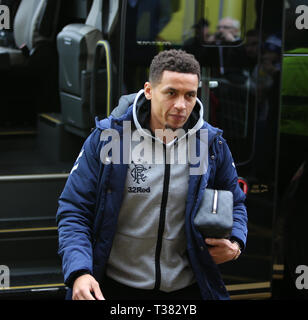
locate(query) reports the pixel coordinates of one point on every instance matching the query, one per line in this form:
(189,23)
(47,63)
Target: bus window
(155,25)
(175,22)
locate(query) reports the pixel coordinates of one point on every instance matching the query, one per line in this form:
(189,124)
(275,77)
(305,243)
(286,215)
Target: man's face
(226,26)
(172,99)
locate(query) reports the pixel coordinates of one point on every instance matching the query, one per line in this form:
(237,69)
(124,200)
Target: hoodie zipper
(162,219)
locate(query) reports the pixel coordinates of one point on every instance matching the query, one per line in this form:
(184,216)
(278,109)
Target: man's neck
(163,132)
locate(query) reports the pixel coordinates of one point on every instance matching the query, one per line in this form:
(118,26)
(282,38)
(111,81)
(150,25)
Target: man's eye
(191,95)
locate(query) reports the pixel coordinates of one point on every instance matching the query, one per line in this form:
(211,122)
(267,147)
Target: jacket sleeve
(226,178)
(76,211)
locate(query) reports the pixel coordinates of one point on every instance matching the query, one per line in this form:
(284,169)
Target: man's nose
(180,103)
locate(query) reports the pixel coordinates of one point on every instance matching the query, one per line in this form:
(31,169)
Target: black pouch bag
(214,218)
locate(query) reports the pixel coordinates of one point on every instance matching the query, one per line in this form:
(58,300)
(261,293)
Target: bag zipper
(215,202)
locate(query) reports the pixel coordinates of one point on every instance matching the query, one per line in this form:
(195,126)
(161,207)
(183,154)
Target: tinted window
(175,22)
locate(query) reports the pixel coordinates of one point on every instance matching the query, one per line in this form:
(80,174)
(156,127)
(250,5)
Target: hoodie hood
(142,113)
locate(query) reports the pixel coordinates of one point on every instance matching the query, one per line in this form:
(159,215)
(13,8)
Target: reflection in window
(228,30)
(175,22)
(226,19)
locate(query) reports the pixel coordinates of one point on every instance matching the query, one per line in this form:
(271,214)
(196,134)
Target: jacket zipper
(200,177)
(162,219)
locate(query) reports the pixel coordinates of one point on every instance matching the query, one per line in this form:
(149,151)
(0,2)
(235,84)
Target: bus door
(238,44)
(290,259)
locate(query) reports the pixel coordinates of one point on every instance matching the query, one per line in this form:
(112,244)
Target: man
(228,30)
(125,227)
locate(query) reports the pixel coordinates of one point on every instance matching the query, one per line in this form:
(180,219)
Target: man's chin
(175,126)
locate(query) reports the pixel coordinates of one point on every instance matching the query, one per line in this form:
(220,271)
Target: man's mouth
(177,117)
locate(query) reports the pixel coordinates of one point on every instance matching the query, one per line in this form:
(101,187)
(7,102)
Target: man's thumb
(97,292)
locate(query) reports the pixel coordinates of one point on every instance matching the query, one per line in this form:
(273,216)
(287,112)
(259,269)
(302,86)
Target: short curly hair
(173,60)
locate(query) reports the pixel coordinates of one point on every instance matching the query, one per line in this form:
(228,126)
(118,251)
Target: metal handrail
(102,47)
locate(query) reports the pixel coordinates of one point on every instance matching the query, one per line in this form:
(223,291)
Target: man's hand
(222,250)
(87,288)
(228,36)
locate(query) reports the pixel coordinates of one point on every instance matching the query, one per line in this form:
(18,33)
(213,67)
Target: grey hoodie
(149,248)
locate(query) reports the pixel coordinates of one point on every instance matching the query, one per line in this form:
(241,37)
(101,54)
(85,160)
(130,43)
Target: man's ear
(148,90)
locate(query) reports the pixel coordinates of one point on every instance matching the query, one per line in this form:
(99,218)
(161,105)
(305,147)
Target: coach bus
(63,63)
